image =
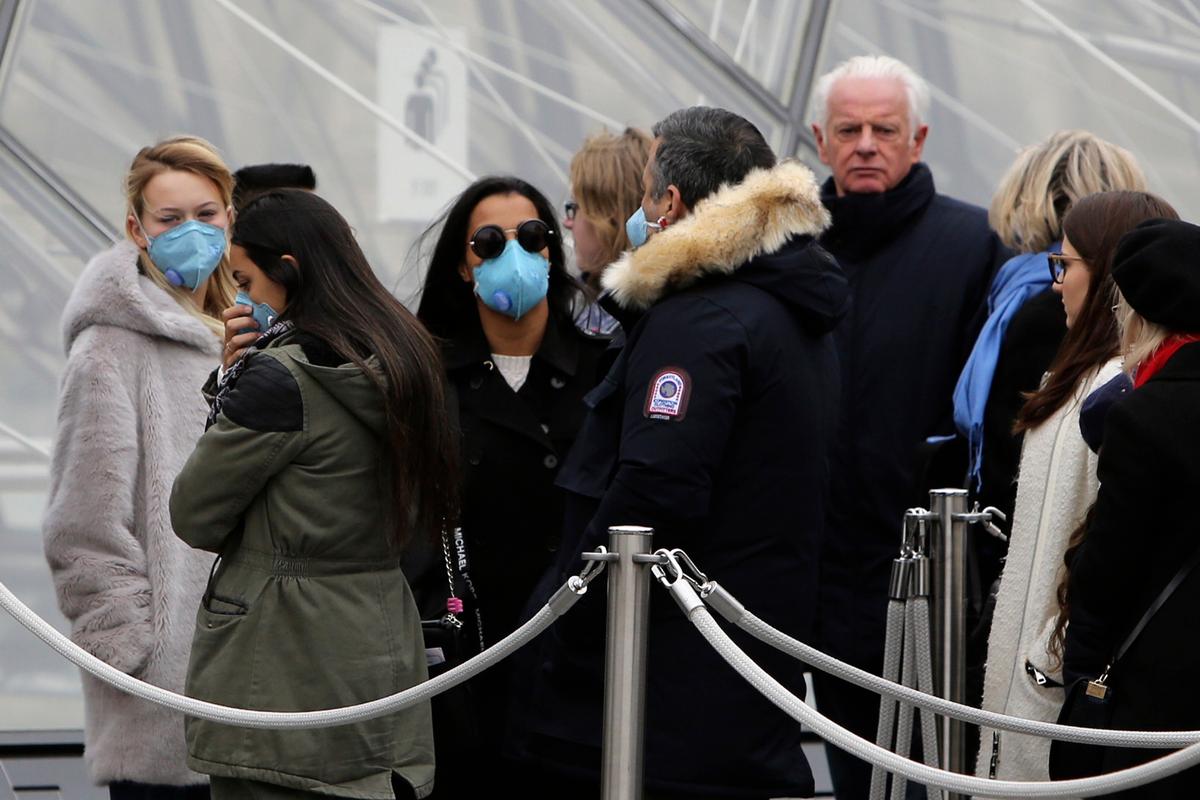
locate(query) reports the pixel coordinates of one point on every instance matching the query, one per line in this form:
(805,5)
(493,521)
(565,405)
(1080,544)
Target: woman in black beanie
(1143,535)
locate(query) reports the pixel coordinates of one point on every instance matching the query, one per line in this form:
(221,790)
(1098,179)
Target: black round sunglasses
(489,241)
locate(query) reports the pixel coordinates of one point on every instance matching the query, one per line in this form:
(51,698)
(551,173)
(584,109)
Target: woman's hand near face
(240,332)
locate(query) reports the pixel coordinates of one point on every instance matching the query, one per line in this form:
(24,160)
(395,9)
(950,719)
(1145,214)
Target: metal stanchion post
(949,616)
(625,675)
(893,648)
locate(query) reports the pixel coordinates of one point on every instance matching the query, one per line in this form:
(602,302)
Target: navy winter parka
(713,427)
(919,266)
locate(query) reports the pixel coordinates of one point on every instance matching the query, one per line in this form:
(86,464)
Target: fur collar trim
(112,292)
(724,231)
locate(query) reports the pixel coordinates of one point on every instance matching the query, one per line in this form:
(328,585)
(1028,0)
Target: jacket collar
(112,292)
(559,347)
(862,223)
(724,231)
(1183,365)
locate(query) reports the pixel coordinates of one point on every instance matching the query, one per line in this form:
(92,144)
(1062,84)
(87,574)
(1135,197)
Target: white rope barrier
(558,605)
(886,730)
(904,722)
(918,610)
(728,607)
(682,589)
(797,709)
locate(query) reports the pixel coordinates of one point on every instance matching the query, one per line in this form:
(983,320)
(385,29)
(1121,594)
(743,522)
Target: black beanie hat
(1157,269)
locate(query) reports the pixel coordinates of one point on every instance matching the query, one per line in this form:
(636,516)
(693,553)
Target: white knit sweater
(1056,486)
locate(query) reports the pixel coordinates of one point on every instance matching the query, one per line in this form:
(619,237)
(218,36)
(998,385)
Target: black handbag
(1090,703)
(449,641)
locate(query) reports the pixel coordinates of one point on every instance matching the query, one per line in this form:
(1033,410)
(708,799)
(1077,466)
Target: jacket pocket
(223,606)
(592,459)
(602,391)
(1039,662)
(217,613)
(1039,677)
(1040,696)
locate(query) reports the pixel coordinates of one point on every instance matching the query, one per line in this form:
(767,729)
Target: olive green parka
(307,607)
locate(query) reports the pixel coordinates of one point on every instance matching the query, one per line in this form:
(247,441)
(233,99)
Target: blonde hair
(606,177)
(1048,178)
(916,90)
(184,154)
(1139,336)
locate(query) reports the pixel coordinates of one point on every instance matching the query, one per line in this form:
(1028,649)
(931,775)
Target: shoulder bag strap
(454,604)
(1162,598)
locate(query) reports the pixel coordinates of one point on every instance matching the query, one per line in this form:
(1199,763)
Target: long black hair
(334,295)
(448,305)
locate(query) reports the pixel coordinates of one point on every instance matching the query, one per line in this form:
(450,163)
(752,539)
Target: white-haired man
(919,264)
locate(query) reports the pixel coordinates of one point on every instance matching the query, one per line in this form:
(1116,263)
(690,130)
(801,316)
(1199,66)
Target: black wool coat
(512,448)
(919,266)
(713,427)
(513,444)
(1142,529)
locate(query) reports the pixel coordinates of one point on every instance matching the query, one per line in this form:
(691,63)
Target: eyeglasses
(570,209)
(490,240)
(1058,265)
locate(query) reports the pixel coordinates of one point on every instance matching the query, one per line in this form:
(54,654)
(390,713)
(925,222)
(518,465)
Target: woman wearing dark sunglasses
(498,295)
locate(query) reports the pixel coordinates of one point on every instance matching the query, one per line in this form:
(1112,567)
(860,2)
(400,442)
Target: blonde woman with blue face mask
(142,331)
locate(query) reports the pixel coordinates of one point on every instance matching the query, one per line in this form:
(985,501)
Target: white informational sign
(422,83)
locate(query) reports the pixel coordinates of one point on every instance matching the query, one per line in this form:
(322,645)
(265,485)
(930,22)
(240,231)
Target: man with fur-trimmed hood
(713,427)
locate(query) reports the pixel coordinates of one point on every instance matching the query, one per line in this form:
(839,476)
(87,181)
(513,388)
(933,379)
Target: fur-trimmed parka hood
(112,292)
(759,231)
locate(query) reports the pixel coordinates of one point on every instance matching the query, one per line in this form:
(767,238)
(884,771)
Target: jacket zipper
(1039,677)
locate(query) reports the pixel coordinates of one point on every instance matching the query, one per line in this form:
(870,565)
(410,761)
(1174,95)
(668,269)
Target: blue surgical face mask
(638,228)
(263,314)
(514,281)
(187,254)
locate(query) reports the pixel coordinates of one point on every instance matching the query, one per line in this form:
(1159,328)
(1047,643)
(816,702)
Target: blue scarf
(1019,279)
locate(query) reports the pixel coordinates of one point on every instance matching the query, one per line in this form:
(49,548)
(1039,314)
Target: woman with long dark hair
(498,296)
(328,449)
(1057,480)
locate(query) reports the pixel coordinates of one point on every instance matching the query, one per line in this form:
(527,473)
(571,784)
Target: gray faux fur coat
(130,412)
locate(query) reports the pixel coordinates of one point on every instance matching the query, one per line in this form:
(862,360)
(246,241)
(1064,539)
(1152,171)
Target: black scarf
(865,223)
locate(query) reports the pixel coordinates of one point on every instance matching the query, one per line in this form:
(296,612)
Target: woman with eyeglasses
(1057,481)
(499,297)
(606,188)
(1024,328)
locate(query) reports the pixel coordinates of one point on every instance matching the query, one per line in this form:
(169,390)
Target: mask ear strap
(138,219)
